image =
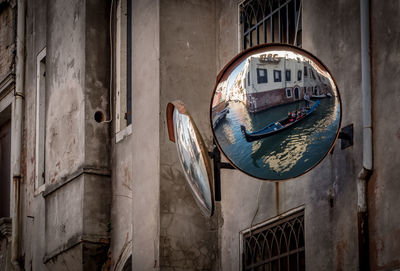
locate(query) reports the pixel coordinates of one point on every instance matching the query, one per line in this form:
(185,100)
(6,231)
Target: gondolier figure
(307,100)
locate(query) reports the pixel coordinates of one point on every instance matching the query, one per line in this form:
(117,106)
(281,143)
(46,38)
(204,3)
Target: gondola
(278,126)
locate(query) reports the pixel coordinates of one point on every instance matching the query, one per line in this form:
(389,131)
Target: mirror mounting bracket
(346,136)
(215,155)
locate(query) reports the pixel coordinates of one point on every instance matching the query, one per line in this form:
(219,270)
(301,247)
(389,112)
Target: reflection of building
(273,80)
(123,192)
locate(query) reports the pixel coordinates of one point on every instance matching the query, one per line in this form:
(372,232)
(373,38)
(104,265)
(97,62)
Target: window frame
(277,76)
(298,212)
(40,123)
(260,79)
(288,75)
(123,69)
(291,93)
(262,29)
(299,75)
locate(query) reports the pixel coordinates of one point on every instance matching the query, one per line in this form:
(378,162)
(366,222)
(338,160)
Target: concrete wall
(7,37)
(67,224)
(187,72)
(384,186)
(333,227)
(146,136)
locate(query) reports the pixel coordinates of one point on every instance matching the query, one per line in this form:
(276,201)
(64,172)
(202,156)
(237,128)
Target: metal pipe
(17,118)
(366,171)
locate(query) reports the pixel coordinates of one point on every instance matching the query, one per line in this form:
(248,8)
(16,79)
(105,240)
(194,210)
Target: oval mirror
(193,155)
(275,111)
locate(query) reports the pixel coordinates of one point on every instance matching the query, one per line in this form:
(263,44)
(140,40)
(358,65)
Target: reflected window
(123,65)
(289,92)
(299,75)
(262,76)
(277,76)
(268,21)
(288,75)
(248,78)
(305,72)
(278,245)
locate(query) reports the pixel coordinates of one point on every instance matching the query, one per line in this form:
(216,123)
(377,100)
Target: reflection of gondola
(220,116)
(320,96)
(275,127)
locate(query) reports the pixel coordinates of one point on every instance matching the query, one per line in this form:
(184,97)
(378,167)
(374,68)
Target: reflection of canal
(283,155)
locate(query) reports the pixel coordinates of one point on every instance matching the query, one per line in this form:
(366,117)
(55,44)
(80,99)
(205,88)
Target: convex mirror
(193,155)
(275,111)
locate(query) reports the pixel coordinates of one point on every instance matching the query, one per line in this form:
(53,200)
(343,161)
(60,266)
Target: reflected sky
(192,161)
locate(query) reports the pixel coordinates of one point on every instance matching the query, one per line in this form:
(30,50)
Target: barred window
(270,21)
(275,246)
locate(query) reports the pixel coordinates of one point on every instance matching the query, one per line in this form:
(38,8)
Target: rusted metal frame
(251,28)
(278,257)
(290,223)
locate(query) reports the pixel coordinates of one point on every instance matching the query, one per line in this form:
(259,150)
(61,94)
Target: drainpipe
(17,132)
(366,171)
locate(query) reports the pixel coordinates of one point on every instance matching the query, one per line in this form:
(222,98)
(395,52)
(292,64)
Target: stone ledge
(6,84)
(50,188)
(5,227)
(74,241)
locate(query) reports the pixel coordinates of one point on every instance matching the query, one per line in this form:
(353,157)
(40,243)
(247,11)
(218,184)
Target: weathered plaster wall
(7,37)
(121,210)
(187,72)
(67,224)
(384,187)
(332,227)
(33,211)
(145,135)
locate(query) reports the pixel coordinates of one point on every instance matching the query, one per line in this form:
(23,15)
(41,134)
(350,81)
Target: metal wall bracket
(216,156)
(346,136)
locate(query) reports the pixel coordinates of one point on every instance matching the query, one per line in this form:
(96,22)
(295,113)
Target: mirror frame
(226,71)
(180,106)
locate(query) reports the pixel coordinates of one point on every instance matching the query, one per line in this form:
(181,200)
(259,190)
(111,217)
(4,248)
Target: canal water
(286,154)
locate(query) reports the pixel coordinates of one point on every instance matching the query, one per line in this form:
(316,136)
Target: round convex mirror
(193,155)
(275,111)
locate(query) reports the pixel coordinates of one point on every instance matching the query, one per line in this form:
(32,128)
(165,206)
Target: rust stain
(127,178)
(341,248)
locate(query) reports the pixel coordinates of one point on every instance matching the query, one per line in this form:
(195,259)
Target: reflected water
(285,154)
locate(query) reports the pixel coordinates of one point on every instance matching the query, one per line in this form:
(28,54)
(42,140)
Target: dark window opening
(288,92)
(305,72)
(270,21)
(262,76)
(276,246)
(248,78)
(288,75)
(5,167)
(299,75)
(277,76)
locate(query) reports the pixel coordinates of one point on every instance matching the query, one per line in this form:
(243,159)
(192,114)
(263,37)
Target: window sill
(119,136)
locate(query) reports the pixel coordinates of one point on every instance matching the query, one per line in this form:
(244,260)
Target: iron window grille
(276,246)
(270,21)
